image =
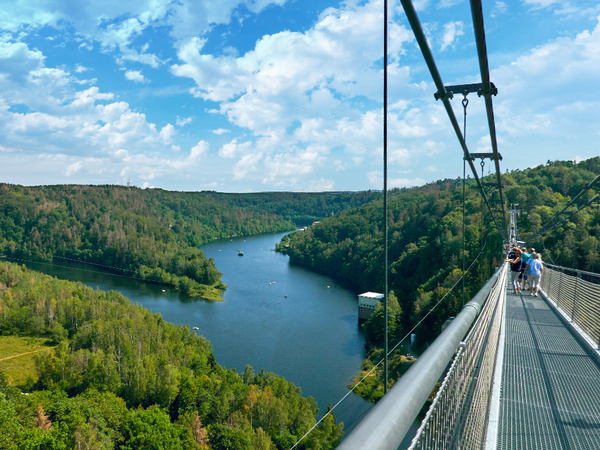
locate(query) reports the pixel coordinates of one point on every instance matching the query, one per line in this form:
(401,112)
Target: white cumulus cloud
(183,121)
(74,168)
(87,130)
(452,30)
(136,76)
(198,150)
(296,90)
(499,9)
(118,25)
(235,149)
(566,66)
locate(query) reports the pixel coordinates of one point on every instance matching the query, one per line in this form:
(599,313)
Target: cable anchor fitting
(449,95)
(491,156)
(493,91)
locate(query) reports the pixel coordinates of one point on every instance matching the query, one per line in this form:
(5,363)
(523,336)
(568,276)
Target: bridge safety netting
(577,298)
(459,411)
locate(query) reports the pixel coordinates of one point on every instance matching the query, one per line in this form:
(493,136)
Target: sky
(283,95)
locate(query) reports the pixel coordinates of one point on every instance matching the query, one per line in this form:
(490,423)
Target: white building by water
(367,303)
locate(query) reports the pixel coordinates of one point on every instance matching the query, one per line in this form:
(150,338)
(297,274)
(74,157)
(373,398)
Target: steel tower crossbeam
(477,13)
(445,97)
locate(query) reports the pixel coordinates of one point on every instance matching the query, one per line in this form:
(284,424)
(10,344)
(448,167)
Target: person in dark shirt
(525,257)
(514,258)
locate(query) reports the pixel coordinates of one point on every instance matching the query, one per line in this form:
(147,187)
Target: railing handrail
(592,274)
(388,422)
(577,300)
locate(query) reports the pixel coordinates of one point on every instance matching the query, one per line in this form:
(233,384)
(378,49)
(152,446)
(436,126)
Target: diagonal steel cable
(549,224)
(415,24)
(477,14)
(390,351)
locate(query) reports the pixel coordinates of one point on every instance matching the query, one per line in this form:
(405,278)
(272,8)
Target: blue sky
(283,95)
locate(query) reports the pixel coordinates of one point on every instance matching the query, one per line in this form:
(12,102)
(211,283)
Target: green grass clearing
(16,356)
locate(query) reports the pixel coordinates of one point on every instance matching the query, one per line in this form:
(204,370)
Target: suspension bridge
(512,371)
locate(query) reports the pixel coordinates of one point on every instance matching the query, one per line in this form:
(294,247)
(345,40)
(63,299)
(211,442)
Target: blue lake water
(311,337)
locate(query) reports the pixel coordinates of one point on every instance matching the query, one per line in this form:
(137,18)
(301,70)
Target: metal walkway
(524,375)
(550,390)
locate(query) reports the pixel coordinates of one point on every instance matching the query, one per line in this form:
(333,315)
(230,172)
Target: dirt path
(26,353)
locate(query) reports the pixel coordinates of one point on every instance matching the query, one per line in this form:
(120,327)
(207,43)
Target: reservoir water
(311,337)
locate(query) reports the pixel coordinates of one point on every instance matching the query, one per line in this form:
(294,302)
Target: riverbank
(311,337)
(159,376)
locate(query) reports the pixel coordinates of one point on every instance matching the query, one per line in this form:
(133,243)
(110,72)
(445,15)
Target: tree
(327,435)
(10,429)
(200,434)
(221,437)
(41,421)
(262,441)
(151,429)
(374,326)
(88,438)
(185,402)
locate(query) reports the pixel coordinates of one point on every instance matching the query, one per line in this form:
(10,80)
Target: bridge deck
(550,394)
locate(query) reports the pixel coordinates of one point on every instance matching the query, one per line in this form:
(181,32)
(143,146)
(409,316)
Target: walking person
(525,257)
(535,268)
(514,258)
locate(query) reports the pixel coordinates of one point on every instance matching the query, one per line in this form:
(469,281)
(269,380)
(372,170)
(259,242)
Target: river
(311,337)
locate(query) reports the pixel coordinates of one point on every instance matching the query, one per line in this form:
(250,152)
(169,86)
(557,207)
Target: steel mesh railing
(458,416)
(577,298)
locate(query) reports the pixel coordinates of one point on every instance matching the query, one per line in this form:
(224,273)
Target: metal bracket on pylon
(463,89)
(491,156)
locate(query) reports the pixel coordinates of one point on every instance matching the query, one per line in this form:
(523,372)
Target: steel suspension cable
(445,97)
(465,103)
(385,205)
(463,232)
(547,253)
(391,351)
(572,213)
(478,27)
(549,226)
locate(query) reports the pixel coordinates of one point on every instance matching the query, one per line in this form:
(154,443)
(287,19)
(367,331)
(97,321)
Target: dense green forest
(149,233)
(300,208)
(425,243)
(122,378)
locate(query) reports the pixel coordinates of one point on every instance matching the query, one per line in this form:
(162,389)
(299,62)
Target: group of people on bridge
(526,270)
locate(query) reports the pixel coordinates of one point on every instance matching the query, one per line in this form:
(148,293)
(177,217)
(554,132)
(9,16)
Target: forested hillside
(300,208)
(150,234)
(425,242)
(541,193)
(122,378)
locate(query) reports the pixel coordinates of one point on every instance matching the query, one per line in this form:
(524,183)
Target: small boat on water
(240,253)
(195,328)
